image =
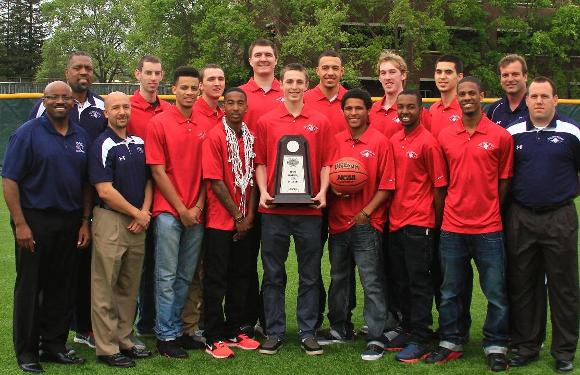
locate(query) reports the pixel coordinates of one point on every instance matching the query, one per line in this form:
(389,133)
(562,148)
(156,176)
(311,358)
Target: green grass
(337,359)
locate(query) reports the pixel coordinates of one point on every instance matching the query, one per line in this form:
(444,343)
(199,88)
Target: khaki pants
(191,314)
(115,275)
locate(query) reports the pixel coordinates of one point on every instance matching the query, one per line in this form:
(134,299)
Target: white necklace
(242,173)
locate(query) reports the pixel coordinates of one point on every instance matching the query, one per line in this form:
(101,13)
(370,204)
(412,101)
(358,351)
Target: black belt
(546,208)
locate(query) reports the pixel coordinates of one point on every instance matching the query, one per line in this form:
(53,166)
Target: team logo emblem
(412,155)
(556,139)
(311,128)
(486,146)
(94,114)
(201,135)
(454,118)
(367,153)
(280,99)
(519,147)
(80,147)
(396,120)
(140,149)
(122,158)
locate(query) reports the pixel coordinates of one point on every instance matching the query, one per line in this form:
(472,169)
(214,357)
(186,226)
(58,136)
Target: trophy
(293,185)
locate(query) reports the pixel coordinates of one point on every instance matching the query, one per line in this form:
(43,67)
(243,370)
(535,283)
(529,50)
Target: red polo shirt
(175,141)
(260,102)
(476,164)
(205,115)
(311,124)
(387,120)
(330,109)
(420,168)
(216,166)
(443,117)
(141,112)
(375,151)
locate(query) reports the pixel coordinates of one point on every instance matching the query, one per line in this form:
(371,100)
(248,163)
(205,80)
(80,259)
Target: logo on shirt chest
(412,154)
(519,147)
(367,154)
(555,139)
(454,118)
(486,146)
(311,128)
(95,114)
(122,158)
(201,135)
(396,120)
(80,147)
(139,149)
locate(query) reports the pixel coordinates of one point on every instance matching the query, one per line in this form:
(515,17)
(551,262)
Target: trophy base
(293,200)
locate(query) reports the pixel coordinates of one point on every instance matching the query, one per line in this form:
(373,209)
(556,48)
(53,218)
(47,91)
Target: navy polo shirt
(90,117)
(122,162)
(500,112)
(50,168)
(546,162)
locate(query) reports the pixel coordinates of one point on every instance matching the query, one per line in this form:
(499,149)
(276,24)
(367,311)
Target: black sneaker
(171,349)
(270,346)
(442,355)
(372,352)
(398,342)
(311,347)
(116,360)
(187,342)
(497,362)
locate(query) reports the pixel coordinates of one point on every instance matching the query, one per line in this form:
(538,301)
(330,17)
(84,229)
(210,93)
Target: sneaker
(372,352)
(364,330)
(219,350)
(136,342)
(270,346)
(171,349)
(259,331)
(311,347)
(85,338)
(116,360)
(398,343)
(243,342)
(198,335)
(188,342)
(332,336)
(136,352)
(497,362)
(442,355)
(412,353)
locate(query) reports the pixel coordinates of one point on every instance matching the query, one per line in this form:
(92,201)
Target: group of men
(179,202)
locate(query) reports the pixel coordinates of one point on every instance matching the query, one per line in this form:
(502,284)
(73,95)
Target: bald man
(121,217)
(44,180)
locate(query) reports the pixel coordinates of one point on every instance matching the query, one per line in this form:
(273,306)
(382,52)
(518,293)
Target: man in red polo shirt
(356,222)
(415,211)
(303,223)
(479,154)
(228,163)
(174,142)
(446,111)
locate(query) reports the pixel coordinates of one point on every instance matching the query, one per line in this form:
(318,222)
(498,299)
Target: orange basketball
(348,175)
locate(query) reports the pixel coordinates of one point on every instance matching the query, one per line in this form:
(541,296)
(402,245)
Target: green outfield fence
(15,109)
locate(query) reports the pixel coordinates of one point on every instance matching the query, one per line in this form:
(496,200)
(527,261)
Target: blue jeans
(487,250)
(363,243)
(276,232)
(177,250)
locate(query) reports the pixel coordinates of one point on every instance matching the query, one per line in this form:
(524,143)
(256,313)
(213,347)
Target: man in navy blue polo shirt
(513,74)
(542,230)
(49,201)
(118,171)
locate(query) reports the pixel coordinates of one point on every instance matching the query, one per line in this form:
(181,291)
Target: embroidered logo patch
(519,147)
(412,155)
(95,114)
(396,120)
(486,146)
(556,139)
(80,147)
(454,118)
(201,135)
(311,128)
(122,158)
(140,149)
(367,153)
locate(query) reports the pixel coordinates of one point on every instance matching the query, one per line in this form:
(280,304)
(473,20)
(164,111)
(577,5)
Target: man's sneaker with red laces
(85,338)
(219,350)
(243,342)
(442,355)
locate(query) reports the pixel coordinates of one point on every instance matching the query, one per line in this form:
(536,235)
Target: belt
(546,208)
(105,206)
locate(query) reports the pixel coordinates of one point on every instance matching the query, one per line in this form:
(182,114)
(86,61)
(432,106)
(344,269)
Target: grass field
(337,359)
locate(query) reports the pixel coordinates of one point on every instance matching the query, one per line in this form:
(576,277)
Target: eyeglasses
(66,98)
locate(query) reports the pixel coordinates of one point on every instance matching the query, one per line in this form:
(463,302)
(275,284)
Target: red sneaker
(219,350)
(243,342)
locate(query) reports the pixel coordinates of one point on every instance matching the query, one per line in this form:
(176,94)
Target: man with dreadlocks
(228,164)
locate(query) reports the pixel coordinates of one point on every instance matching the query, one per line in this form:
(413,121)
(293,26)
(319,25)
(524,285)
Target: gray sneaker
(372,352)
(332,336)
(311,347)
(270,346)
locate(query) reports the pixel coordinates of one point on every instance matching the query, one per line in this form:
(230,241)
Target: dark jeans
(539,243)
(456,252)
(391,298)
(276,232)
(363,243)
(146,301)
(411,252)
(43,292)
(226,265)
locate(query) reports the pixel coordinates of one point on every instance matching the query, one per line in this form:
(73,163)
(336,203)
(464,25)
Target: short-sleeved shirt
(329,108)
(443,117)
(90,115)
(122,162)
(476,164)
(420,168)
(315,128)
(387,120)
(217,167)
(501,113)
(261,102)
(205,115)
(374,150)
(50,168)
(141,112)
(546,162)
(176,142)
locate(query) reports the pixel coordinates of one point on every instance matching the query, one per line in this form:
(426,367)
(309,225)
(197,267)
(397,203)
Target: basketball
(348,175)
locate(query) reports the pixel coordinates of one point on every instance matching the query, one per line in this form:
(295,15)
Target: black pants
(543,242)
(82,304)
(411,253)
(43,292)
(227,266)
(254,308)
